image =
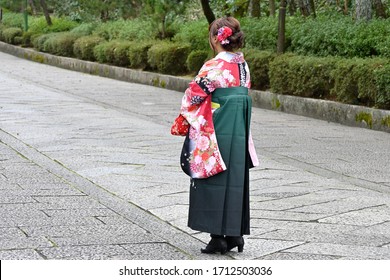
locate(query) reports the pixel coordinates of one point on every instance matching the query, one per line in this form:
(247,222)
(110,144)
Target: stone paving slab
(298,256)
(343,238)
(20,254)
(110,168)
(365,217)
(361,252)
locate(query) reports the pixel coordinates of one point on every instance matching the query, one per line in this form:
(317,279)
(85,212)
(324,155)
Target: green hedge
(169,58)
(2,28)
(12,35)
(382,77)
(196,59)
(340,36)
(60,44)
(258,62)
(362,82)
(138,54)
(353,81)
(195,34)
(83,47)
(113,52)
(39,41)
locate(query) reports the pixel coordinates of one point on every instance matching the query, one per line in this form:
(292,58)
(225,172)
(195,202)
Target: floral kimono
(201,157)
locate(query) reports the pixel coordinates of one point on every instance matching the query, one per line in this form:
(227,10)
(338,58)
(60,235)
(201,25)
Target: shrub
(169,58)
(279,73)
(137,30)
(39,25)
(109,30)
(113,52)
(258,62)
(340,36)
(99,52)
(83,47)
(362,81)
(10,35)
(27,38)
(196,60)
(130,30)
(2,28)
(121,56)
(195,34)
(39,41)
(138,54)
(303,76)
(60,44)
(13,20)
(260,34)
(382,77)
(85,29)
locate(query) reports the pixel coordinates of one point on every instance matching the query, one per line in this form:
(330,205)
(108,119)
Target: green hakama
(220,204)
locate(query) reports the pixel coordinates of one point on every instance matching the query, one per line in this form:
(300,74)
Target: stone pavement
(89,170)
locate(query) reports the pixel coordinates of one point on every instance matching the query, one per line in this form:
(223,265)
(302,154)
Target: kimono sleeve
(199,90)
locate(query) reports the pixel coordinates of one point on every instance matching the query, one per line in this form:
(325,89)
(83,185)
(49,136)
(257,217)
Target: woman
(218,150)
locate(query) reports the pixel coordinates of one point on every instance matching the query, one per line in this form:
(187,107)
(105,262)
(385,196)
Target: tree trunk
(312,8)
(254,8)
(363,10)
(304,7)
(272,8)
(32,5)
(380,9)
(282,27)
(45,12)
(207,11)
(292,7)
(345,7)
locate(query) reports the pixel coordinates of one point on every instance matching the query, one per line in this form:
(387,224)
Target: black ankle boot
(235,241)
(216,244)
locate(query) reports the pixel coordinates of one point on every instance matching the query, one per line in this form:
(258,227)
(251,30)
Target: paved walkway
(89,170)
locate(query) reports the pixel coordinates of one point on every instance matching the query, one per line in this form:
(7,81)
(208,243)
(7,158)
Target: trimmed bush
(121,56)
(10,35)
(302,76)
(83,47)
(138,54)
(99,52)
(382,77)
(113,52)
(85,29)
(27,38)
(39,41)
(169,58)
(362,82)
(60,44)
(196,59)
(258,62)
(195,34)
(2,28)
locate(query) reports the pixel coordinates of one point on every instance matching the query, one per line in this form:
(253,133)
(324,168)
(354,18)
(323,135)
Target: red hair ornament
(223,34)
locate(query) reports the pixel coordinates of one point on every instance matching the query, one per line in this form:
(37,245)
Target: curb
(351,115)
